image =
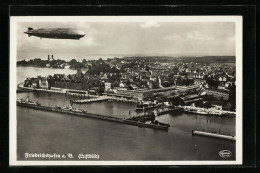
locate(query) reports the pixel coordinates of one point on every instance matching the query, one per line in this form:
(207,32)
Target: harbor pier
(213,135)
(102,98)
(82,113)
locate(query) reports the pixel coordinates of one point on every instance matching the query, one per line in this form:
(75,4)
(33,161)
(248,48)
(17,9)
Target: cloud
(172,36)
(150,25)
(91,41)
(196,35)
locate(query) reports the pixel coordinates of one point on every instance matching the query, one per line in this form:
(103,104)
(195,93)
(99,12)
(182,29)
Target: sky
(129,38)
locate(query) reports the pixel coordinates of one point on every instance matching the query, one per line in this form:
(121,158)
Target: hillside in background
(203,59)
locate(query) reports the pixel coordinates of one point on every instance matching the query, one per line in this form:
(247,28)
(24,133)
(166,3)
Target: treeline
(209,59)
(37,62)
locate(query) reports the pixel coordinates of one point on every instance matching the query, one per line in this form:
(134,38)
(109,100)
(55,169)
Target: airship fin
(29,28)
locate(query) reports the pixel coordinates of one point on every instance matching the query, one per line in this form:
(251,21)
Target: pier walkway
(102,98)
(214,135)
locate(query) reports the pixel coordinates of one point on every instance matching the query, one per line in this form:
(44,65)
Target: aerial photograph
(119,90)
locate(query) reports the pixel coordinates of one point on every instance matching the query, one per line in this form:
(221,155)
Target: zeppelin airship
(56,33)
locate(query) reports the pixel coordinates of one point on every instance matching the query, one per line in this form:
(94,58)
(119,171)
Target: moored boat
(209,111)
(27,101)
(141,106)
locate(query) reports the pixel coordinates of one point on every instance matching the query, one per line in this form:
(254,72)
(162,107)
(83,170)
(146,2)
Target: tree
(175,70)
(84,61)
(72,62)
(78,65)
(147,68)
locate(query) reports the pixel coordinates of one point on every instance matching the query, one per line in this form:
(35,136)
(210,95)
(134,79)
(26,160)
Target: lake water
(49,132)
(25,72)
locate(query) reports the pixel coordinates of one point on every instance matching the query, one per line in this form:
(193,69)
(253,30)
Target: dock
(101,98)
(213,135)
(96,116)
(91,100)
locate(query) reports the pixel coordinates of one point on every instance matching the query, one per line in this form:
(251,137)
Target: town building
(43,83)
(221,85)
(108,86)
(190,99)
(198,81)
(218,93)
(137,94)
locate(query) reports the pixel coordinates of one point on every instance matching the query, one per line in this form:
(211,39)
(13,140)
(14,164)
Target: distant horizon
(105,57)
(118,56)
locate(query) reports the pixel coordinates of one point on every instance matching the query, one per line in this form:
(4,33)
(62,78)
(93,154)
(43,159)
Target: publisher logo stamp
(225,153)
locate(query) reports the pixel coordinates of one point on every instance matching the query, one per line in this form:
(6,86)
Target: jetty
(213,135)
(95,116)
(102,98)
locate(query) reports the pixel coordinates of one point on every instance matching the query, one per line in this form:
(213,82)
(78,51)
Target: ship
(156,122)
(209,111)
(27,101)
(196,110)
(141,106)
(170,110)
(70,108)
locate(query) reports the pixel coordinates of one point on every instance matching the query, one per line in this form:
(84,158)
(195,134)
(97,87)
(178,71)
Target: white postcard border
(12,90)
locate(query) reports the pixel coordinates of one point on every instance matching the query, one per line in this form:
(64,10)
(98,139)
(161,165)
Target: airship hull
(56,33)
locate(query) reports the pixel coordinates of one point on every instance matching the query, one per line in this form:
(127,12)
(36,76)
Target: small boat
(156,122)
